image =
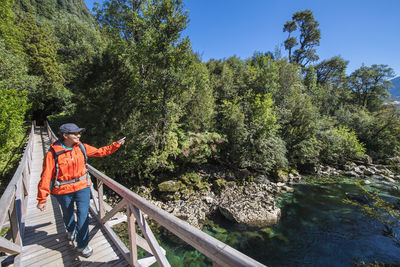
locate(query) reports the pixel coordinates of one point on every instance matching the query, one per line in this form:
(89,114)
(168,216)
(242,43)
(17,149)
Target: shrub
(340,144)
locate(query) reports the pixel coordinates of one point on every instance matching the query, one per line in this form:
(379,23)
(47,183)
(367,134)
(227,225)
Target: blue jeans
(81,226)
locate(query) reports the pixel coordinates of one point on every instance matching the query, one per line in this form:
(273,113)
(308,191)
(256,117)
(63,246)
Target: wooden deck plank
(69,253)
(45,242)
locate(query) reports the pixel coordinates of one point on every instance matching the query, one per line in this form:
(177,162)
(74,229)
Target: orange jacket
(71,166)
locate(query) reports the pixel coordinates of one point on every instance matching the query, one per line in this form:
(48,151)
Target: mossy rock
(194,177)
(170,186)
(185,179)
(281,176)
(202,186)
(186,193)
(177,196)
(219,184)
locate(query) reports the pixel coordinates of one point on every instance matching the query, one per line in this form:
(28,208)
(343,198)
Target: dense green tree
(332,82)
(246,113)
(14,83)
(48,11)
(339,145)
(308,38)
(134,75)
(297,116)
(311,86)
(327,87)
(50,96)
(149,76)
(199,111)
(261,74)
(378,130)
(290,42)
(250,125)
(370,85)
(78,43)
(227,78)
(331,71)
(9,32)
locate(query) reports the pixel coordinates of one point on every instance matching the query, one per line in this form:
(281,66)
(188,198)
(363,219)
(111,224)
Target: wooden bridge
(34,238)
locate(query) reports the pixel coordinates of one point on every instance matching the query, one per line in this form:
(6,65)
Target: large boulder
(250,213)
(194,210)
(251,204)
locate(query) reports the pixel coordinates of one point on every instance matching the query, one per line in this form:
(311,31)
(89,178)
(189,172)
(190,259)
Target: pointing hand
(121,141)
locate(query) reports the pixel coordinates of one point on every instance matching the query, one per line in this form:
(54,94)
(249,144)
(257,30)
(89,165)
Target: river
(317,228)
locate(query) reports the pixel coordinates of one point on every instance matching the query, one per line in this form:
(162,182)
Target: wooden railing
(13,205)
(136,207)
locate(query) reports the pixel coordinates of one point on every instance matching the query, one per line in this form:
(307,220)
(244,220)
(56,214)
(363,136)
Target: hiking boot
(71,235)
(86,252)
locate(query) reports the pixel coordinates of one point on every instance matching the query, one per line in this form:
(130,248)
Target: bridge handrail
(220,253)
(13,203)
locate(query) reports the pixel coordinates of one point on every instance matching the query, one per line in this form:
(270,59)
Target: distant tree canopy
(371,85)
(132,73)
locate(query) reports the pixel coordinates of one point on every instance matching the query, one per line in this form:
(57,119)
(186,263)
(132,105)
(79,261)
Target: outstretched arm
(105,150)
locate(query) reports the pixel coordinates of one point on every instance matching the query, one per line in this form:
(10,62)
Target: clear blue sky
(360,31)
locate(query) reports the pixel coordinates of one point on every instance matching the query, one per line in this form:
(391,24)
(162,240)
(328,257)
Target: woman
(70,182)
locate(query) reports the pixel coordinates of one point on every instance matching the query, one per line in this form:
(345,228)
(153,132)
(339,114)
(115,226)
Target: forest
(127,71)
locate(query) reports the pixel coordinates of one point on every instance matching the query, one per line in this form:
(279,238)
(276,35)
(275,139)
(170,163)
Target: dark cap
(70,128)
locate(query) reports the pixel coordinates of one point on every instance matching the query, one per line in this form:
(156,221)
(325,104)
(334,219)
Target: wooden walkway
(44,239)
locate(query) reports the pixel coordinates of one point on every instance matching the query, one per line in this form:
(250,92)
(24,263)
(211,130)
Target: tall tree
(297,115)
(149,74)
(290,42)
(40,47)
(308,39)
(370,85)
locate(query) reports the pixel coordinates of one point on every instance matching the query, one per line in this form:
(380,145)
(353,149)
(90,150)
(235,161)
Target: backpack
(55,183)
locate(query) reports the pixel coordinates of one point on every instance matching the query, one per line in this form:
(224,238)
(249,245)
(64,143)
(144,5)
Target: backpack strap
(83,148)
(55,155)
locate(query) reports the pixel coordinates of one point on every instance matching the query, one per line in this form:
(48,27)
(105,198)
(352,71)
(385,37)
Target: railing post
(150,238)
(100,194)
(25,178)
(14,223)
(132,237)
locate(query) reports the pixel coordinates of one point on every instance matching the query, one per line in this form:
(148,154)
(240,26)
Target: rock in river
(251,204)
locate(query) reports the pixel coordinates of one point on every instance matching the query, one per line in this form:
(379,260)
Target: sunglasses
(77,133)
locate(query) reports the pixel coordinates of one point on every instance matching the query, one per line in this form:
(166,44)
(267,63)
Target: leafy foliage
(40,48)
(132,73)
(9,32)
(377,130)
(341,144)
(14,80)
(371,85)
(13,105)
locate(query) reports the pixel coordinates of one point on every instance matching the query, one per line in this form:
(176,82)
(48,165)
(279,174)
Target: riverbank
(316,227)
(248,201)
